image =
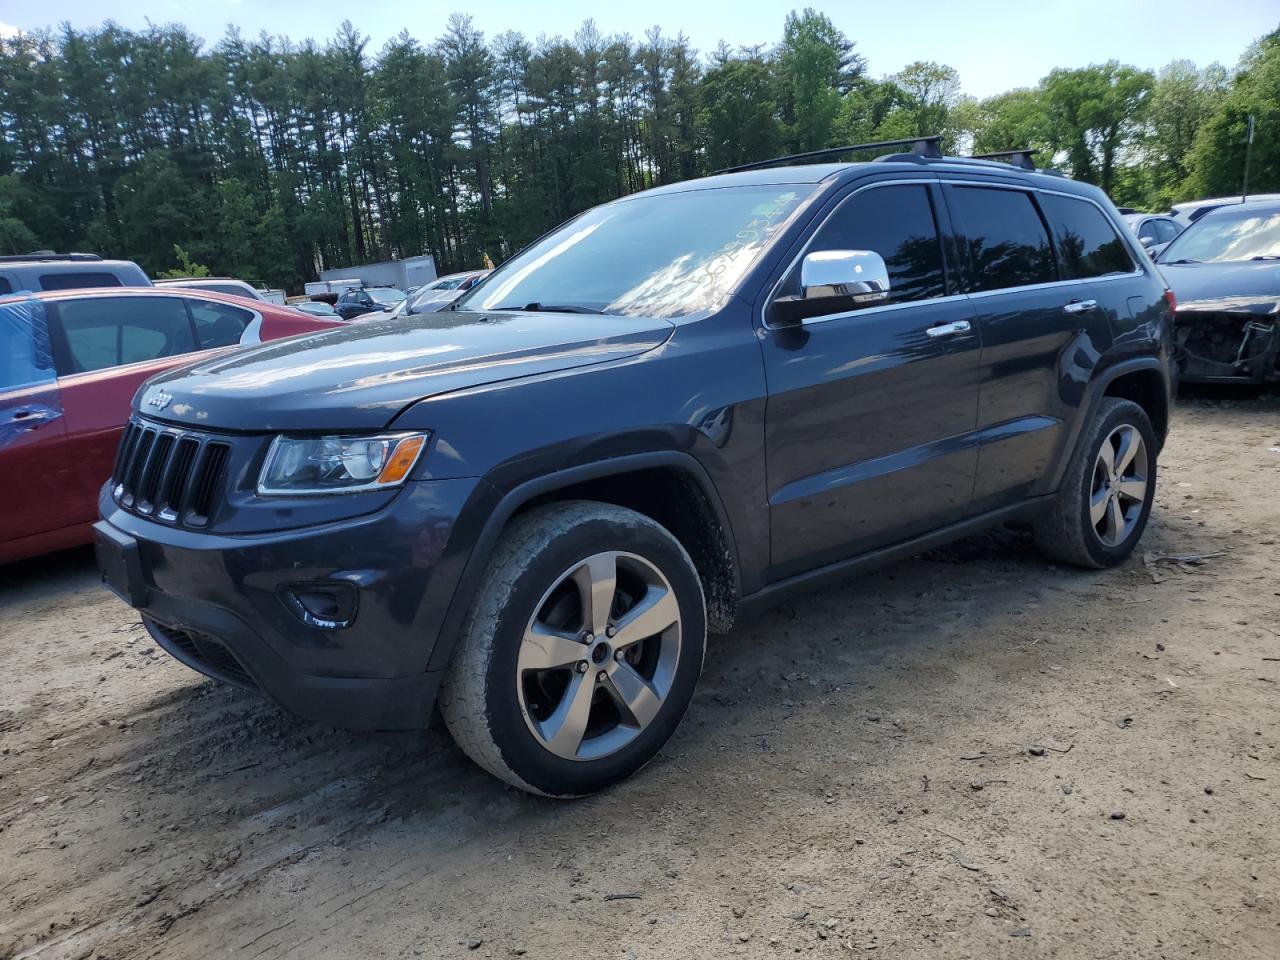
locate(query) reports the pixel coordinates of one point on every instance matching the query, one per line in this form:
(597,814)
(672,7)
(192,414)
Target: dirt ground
(970,754)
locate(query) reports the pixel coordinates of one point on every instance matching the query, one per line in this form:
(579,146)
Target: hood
(1247,286)
(360,376)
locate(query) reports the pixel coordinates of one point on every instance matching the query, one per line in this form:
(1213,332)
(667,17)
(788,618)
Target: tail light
(1171,300)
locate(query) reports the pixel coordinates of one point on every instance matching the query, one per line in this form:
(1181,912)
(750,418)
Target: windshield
(1238,235)
(385,295)
(660,255)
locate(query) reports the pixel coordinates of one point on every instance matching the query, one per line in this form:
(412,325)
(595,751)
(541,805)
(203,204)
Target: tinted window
(1088,245)
(78,281)
(218,325)
(5,286)
(895,222)
(1007,242)
(25,357)
(110,331)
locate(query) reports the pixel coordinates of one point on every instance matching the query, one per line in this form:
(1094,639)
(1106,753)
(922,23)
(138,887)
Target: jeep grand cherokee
(674,409)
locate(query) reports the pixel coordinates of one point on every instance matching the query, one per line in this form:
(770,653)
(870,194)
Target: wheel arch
(1147,386)
(670,487)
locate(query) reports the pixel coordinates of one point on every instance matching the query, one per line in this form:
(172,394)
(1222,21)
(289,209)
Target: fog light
(326,604)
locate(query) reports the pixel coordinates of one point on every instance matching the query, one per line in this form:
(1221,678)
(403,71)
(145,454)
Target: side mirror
(859,275)
(1147,242)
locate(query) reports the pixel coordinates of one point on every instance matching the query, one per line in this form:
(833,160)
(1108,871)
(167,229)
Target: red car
(70,363)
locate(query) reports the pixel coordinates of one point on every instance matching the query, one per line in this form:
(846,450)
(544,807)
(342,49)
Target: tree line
(271,160)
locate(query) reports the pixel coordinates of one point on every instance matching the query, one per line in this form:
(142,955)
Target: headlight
(299,466)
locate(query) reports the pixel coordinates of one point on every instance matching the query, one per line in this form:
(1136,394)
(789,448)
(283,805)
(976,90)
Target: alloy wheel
(1120,485)
(599,655)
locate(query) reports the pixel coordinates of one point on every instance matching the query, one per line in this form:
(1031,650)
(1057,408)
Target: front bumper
(224,605)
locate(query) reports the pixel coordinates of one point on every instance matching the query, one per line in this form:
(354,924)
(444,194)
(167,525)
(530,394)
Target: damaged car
(1225,272)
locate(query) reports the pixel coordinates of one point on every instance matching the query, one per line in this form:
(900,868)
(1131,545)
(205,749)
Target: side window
(896,222)
(78,281)
(5,286)
(101,332)
(1166,230)
(1006,238)
(1147,230)
(26,359)
(1088,244)
(217,324)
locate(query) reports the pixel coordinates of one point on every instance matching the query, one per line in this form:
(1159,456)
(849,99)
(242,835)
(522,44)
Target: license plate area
(120,564)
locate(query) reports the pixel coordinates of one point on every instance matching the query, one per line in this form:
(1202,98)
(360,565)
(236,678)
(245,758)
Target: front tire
(580,654)
(1102,509)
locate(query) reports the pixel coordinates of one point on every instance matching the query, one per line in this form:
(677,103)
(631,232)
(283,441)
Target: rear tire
(1102,508)
(580,654)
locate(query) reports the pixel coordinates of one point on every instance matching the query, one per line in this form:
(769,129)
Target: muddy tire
(1101,510)
(581,651)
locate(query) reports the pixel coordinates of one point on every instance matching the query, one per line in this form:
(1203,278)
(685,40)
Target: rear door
(1042,331)
(34,470)
(105,348)
(871,409)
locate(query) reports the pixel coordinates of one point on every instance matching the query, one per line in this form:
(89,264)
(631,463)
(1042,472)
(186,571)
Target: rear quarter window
(1088,245)
(77,281)
(5,286)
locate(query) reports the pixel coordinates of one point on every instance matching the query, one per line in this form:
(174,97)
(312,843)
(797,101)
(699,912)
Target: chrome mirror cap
(860,275)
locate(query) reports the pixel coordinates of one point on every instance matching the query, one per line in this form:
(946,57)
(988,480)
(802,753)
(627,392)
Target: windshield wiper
(1266,256)
(537,307)
(1175,262)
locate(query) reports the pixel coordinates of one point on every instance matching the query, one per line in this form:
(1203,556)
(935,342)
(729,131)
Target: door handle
(1081,306)
(30,416)
(948,329)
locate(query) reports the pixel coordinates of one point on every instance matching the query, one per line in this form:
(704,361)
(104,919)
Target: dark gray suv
(674,409)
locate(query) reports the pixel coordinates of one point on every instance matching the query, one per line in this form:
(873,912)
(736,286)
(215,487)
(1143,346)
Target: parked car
(229,285)
(672,411)
(1225,271)
(440,293)
(361,300)
(317,308)
(1190,211)
(69,364)
(45,270)
(1153,230)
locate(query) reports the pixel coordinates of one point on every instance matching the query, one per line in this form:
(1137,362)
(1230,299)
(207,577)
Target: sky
(995,44)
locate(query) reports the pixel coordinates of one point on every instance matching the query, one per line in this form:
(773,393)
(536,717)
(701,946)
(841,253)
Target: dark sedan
(1225,272)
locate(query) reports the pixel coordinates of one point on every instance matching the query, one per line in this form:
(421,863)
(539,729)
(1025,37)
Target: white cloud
(7,30)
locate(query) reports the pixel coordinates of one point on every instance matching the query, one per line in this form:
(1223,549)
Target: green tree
(1216,160)
(1092,113)
(737,117)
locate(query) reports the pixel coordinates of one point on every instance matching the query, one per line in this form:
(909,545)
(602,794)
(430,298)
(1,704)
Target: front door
(871,411)
(34,467)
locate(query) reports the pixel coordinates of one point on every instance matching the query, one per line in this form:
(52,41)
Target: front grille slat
(171,475)
(173,484)
(157,462)
(137,461)
(208,481)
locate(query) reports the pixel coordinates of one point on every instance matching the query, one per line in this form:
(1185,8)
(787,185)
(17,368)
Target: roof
(79,264)
(1248,206)
(172,291)
(840,173)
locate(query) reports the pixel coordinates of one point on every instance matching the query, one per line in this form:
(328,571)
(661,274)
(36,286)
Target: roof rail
(49,255)
(1023,159)
(929,148)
